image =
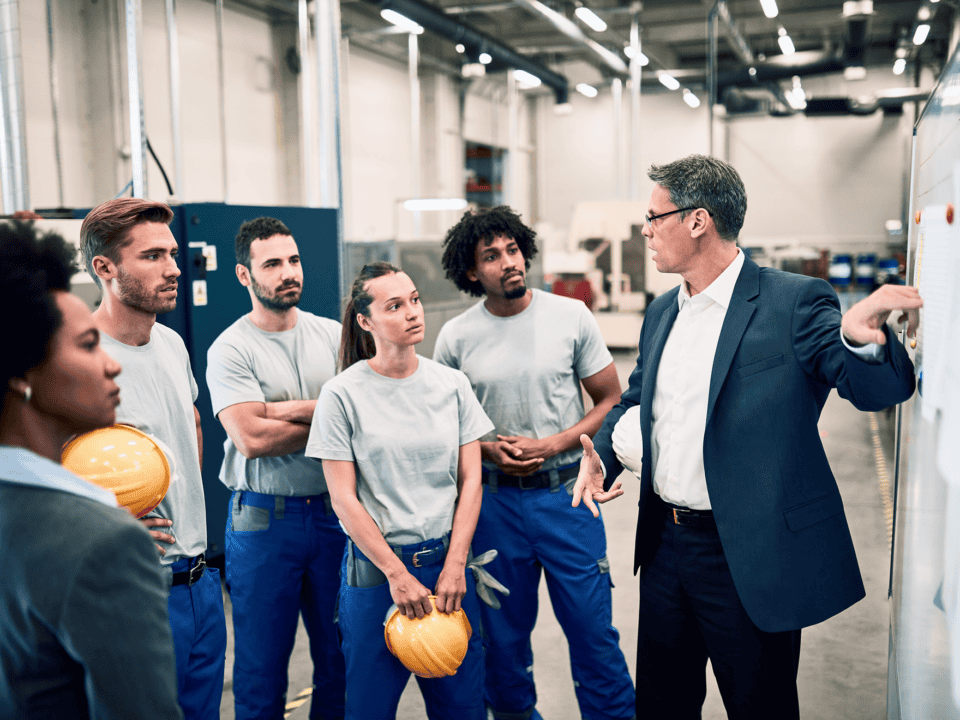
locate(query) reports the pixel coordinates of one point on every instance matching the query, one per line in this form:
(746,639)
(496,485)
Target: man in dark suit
(741,537)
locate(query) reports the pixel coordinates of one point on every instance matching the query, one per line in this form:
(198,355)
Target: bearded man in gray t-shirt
(131,253)
(527,353)
(283,541)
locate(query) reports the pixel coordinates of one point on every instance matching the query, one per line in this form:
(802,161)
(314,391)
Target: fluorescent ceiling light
(899,66)
(461,48)
(769,8)
(435,204)
(923,14)
(590,18)
(526,80)
(587,90)
(628,51)
(921,34)
(485,58)
(690,99)
(786,44)
(401,21)
(669,81)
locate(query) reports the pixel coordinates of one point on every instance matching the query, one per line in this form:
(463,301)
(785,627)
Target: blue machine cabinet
(200,225)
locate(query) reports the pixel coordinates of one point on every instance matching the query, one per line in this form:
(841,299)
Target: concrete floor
(843,665)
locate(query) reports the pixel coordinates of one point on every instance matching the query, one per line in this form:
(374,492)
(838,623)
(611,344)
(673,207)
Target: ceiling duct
(434,20)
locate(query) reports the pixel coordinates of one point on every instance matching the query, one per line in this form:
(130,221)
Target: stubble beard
(274,302)
(133,293)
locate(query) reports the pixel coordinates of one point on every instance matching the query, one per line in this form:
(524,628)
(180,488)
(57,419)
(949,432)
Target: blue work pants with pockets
(199,642)
(375,678)
(283,559)
(534,530)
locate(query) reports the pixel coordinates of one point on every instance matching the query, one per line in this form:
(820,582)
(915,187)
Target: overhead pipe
(573,31)
(221,88)
(434,20)
(330,138)
(173,52)
(138,133)
(306,132)
(13,148)
(54,101)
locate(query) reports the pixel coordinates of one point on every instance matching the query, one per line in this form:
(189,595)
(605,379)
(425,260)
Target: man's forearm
(294,411)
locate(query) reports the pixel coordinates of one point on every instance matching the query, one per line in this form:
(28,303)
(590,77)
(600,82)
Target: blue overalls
(195,606)
(283,559)
(530,522)
(375,678)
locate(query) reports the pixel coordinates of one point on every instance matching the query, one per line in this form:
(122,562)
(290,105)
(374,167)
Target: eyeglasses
(650,218)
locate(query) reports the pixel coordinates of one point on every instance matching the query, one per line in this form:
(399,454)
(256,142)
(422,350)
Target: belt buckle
(531,478)
(415,560)
(196,572)
(675,520)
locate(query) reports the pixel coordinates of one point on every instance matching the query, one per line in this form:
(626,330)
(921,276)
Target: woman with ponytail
(399,435)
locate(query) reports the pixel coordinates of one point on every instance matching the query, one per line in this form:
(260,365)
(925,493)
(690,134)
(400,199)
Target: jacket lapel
(734,325)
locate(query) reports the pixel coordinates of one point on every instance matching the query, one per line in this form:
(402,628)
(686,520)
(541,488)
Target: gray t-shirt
(526,369)
(157,392)
(404,436)
(247,364)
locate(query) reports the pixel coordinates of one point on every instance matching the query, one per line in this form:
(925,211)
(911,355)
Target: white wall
(819,178)
(826,181)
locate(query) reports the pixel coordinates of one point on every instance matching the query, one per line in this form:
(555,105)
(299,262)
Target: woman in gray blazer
(83,607)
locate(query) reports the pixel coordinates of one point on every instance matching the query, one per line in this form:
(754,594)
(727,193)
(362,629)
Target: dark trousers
(689,612)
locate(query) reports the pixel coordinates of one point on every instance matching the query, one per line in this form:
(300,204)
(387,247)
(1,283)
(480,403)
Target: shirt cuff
(872,353)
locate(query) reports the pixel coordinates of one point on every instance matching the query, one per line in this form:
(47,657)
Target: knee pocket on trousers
(604,565)
(248,518)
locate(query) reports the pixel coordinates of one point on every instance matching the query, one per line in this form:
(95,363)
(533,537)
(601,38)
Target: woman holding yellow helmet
(83,620)
(399,438)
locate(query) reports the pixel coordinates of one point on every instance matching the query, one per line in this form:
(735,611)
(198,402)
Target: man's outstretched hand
(589,486)
(863,323)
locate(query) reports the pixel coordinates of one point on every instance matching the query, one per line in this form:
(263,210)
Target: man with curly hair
(527,353)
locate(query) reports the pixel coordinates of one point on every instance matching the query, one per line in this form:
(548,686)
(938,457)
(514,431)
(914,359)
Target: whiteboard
(924,659)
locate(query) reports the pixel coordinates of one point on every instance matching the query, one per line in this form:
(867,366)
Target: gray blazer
(84,630)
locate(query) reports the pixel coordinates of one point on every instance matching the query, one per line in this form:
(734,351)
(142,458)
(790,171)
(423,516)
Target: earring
(27,394)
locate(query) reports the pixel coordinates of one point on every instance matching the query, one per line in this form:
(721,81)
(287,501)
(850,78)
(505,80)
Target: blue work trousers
(283,559)
(375,678)
(199,642)
(536,530)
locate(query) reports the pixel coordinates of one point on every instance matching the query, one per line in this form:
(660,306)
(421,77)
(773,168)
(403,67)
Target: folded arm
(256,432)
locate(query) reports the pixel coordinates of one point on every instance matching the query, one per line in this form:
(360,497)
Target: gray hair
(700,181)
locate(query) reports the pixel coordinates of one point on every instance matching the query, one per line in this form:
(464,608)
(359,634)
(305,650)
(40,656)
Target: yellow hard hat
(125,460)
(432,646)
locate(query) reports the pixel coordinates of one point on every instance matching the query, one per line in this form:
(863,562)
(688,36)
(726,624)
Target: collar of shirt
(23,467)
(720,290)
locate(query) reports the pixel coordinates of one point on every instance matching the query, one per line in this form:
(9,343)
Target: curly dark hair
(259,229)
(460,244)
(31,268)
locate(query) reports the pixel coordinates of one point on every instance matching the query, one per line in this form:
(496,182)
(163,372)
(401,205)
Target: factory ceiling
(827,35)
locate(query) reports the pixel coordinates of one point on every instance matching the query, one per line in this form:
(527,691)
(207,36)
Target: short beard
(516,293)
(134,294)
(273,302)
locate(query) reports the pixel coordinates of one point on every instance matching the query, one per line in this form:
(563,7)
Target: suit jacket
(776,503)
(84,631)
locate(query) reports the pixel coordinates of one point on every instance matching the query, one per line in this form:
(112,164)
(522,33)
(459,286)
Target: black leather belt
(531,482)
(189,577)
(687,516)
(414,558)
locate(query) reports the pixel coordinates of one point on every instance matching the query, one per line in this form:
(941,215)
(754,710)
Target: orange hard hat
(125,460)
(432,646)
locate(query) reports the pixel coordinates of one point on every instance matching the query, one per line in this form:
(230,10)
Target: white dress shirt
(683,384)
